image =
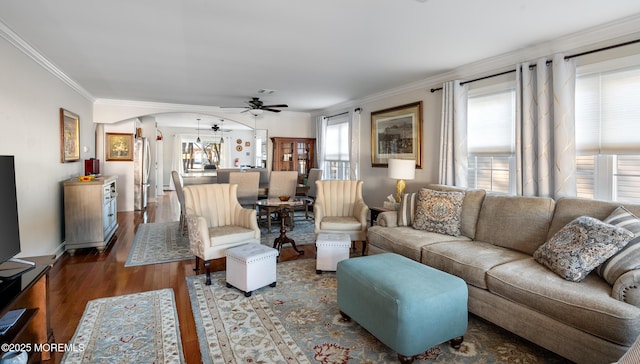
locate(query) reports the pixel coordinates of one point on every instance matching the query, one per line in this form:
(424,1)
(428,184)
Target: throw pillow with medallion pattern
(580,246)
(439,211)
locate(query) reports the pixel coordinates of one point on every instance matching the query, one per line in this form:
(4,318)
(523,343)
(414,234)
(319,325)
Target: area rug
(159,242)
(298,322)
(135,328)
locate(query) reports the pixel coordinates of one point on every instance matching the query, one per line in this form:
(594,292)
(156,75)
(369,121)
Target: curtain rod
(566,57)
(336,115)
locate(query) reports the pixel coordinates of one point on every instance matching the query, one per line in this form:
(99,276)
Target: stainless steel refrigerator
(141,170)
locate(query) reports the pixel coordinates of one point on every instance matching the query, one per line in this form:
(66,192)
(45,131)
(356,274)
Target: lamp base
(400,187)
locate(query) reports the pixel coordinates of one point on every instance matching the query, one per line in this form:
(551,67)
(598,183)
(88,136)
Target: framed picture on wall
(69,136)
(396,133)
(119,146)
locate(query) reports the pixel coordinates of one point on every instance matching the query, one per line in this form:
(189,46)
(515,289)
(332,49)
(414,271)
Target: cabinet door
(287,150)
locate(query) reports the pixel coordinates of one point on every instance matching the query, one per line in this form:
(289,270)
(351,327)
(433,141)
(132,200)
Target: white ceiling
(315,54)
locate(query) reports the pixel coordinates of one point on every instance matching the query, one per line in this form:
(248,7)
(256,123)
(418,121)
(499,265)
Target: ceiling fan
(256,106)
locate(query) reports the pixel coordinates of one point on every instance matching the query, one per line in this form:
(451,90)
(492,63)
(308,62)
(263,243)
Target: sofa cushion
(407,209)
(627,258)
(470,207)
(438,211)
(515,222)
(340,223)
(469,260)
(586,305)
(405,240)
(582,245)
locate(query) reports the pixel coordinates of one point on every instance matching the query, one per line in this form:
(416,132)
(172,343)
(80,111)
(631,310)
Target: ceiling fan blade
(279,105)
(272,110)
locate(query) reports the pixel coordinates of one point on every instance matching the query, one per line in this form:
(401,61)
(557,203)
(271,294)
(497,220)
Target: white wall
(30,99)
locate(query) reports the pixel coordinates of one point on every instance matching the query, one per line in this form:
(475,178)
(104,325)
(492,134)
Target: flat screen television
(9,228)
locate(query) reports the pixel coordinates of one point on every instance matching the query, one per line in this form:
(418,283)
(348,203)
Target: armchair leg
(207,272)
(364,247)
(197,266)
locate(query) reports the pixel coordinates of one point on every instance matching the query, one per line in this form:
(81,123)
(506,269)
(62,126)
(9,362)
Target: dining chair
(264,181)
(248,183)
(315,174)
(179,184)
(223,174)
(281,183)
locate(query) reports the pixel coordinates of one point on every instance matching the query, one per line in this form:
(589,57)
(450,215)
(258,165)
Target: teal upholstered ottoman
(408,306)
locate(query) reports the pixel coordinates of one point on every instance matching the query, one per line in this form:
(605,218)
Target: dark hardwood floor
(75,280)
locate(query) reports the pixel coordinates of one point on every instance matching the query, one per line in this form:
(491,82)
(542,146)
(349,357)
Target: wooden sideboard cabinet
(90,213)
(293,154)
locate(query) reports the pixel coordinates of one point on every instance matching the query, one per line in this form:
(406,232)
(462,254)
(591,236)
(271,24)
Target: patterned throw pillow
(629,257)
(407,209)
(580,246)
(439,211)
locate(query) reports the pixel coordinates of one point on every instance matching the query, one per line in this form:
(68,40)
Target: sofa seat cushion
(230,234)
(405,240)
(469,260)
(340,223)
(587,305)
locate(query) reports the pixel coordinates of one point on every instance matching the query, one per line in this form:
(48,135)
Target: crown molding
(41,60)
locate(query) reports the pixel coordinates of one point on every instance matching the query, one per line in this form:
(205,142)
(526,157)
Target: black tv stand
(9,274)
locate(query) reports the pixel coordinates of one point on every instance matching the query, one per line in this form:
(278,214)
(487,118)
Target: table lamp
(401,169)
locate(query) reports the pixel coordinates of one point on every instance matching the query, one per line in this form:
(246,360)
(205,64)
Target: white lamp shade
(402,169)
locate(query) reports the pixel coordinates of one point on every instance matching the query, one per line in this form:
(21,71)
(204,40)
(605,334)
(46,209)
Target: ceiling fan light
(256,112)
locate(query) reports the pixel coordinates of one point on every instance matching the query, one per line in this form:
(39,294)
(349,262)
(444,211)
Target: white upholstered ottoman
(251,266)
(331,248)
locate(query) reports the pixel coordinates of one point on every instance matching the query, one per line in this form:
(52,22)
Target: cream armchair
(339,208)
(216,222)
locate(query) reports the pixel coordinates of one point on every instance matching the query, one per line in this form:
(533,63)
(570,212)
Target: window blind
(337,139)
(607,110)
(491,123)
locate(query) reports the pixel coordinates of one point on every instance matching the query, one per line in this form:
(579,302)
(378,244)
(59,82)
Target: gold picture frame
(119,146)
(69,136)
(397,133)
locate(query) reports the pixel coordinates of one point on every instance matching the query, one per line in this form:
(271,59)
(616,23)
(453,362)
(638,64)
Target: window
(491,138)
(336,158)
(200,155)
(607,142)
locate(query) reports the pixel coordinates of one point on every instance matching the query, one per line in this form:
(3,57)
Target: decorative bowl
(284,198)
(86,178)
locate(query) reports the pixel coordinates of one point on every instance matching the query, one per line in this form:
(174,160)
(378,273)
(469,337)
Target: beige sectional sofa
(586,322)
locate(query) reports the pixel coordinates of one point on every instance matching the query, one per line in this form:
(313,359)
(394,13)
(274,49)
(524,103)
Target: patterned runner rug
(158,243)
(298,322)
(135,328)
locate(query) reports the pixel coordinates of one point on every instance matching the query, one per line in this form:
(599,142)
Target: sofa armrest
(387,219)
(627,288)
(318,215)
